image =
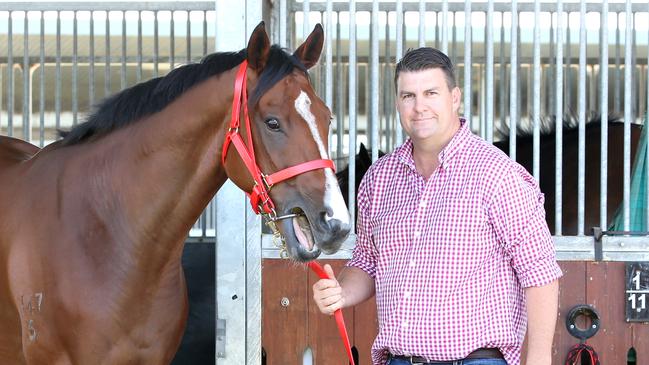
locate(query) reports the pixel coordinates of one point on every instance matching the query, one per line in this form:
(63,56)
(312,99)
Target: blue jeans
(457,362)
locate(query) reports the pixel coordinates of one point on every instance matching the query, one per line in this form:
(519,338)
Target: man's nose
(420,104)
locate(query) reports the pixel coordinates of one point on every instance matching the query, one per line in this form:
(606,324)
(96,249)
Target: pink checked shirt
(450,256)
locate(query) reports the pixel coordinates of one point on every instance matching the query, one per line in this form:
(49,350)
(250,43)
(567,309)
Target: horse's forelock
(279,65)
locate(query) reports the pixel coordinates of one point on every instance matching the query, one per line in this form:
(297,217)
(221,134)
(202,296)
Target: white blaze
(333,198)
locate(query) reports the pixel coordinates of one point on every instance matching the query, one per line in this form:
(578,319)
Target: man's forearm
(542,307)
(356,284)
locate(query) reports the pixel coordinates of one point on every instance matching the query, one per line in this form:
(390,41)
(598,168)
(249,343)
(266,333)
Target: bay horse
(92,227)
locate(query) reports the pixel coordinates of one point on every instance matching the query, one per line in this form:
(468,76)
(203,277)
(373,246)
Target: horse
(547,169)
(92,227)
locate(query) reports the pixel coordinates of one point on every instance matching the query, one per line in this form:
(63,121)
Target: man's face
(427,108)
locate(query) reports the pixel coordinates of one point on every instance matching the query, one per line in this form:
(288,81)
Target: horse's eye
(272,124)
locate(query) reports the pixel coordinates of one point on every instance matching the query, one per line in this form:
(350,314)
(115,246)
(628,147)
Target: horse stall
(529,62)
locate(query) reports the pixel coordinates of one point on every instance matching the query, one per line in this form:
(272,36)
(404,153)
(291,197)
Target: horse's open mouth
(302,229)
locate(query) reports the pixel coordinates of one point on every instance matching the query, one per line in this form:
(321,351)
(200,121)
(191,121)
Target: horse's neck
(168,168)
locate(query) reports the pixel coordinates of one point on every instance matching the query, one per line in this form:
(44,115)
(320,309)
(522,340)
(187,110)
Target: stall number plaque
(637,292)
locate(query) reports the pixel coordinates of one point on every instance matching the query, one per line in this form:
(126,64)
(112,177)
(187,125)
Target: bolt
(285,302)
(594,326)
(572,326)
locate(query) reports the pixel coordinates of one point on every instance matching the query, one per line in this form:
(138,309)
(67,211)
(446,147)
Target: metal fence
(529,60)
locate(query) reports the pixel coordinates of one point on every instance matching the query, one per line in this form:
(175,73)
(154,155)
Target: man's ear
(456,94)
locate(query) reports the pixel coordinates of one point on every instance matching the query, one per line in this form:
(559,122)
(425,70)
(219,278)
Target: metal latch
(220,338)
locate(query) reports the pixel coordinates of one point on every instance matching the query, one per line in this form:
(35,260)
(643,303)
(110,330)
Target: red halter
(259,197)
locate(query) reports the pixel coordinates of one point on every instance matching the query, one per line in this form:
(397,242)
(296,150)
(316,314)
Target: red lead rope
(340,321)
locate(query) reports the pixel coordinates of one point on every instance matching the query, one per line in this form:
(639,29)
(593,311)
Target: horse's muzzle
(331,235)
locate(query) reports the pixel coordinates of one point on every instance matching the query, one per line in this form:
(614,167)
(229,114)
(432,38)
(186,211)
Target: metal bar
(467,63)
(502,74)
(27,96)
(10,76)
(646,124)
(558,177)
(329,92)
(188,38)
(75,70)
(603,111)
(398,54)
(305,23)
(445,26)
(205,33)
(388,102)
(581,176)
(172,42)
(282,23)
(340,103)
(352,110)
(91,62)
(536,99)
(568,92)
(124,54)
(156,45)
(107,85)
(41,95)
(374,82)
(616,81)
(628,112)
(513,82)
(422,23)
(490,73)
(138,74)
(57,87)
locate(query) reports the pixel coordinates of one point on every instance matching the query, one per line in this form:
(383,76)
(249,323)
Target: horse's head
(289,125)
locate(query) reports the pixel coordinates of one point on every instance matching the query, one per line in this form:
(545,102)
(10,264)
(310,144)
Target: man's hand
(327,293)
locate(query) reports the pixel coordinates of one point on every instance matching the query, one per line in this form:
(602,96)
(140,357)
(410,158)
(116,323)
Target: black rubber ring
(582,310)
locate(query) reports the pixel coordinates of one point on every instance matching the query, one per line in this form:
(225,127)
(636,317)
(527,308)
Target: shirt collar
(404,152)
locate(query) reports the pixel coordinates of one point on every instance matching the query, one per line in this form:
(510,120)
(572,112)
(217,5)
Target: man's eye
(272,124)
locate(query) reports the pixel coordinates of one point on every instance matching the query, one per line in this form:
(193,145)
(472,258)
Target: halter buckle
(263,178)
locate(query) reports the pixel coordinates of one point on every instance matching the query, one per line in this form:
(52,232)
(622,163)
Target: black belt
(483,353)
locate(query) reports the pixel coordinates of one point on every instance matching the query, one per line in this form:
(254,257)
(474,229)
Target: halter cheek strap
(259,196)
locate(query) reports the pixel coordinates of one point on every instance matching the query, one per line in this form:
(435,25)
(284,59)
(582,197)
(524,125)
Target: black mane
(149,97)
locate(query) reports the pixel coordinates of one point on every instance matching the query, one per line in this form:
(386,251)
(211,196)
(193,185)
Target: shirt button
(417,234)
(422,204)
(412,263)
(406,294)
(404,324)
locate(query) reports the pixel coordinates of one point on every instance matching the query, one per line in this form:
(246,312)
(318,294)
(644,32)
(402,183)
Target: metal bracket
(220,338)
(597,235)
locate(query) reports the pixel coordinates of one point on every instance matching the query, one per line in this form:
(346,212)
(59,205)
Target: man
(451,239)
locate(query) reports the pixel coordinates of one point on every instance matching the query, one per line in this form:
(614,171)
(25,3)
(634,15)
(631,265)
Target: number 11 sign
(637,292)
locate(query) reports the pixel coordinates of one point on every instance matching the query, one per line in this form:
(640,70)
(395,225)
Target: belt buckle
(413,362)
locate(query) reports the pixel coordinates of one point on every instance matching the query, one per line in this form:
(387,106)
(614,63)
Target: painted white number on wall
(640,299)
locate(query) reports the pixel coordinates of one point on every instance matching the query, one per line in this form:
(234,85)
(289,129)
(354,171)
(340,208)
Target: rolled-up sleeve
(518,217)
(364,255)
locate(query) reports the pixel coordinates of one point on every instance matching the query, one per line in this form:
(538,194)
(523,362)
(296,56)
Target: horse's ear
(309,51)
(362,150)
(364,155)
(258,48)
